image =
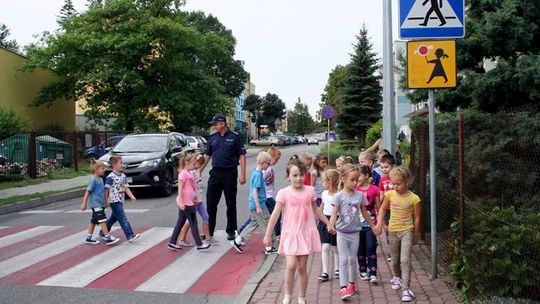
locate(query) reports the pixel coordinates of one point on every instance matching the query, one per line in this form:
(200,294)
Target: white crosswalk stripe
(26,234)
(41,211)
(92,269)
(181,275)
(42,253)
(90,211)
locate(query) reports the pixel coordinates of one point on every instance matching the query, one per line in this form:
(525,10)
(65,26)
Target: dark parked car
(101,149)
(150,159)
(282,138)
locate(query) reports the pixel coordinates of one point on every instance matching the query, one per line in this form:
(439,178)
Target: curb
(41,201)
(249,289)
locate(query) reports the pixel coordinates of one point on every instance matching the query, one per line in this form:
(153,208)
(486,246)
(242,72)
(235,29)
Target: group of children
(339,211)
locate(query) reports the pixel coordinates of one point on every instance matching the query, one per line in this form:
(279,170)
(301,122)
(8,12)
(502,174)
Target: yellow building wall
(19,89)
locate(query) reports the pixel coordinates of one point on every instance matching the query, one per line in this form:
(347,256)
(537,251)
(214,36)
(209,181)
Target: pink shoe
(344,293)
(351,288)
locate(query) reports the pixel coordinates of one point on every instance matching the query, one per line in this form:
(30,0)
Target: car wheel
(167,186)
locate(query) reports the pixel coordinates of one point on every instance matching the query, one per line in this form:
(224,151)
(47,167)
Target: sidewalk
(53,185)
(270,290)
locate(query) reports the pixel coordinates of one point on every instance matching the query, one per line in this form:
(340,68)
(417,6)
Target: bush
(12,121)
(501,255)
(339,148)
(374,133)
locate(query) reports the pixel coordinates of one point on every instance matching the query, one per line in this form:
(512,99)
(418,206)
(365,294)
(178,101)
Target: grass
(84,169)
(27,197)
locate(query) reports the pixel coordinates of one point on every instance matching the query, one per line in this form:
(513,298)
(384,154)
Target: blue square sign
(423,19)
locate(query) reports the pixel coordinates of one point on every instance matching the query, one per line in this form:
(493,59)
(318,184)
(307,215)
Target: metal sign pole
(328,138)
(389,136)
(432,181)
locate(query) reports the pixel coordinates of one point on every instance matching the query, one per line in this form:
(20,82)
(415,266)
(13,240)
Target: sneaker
(91,240)
(408,295)
(373,279)
(134,237)
(111,240)
(351,288)
(238,247)
(204,246)
(213,240)
(396,283)
(230,236)
(344,293)
(364,276)
(185,243)
(389,258)
(174,247)
(323,277)
(270,251)
(336,274)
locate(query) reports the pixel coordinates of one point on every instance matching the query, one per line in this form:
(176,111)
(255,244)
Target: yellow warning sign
(431,64)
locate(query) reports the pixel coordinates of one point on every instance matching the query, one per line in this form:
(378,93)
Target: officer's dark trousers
(222,180)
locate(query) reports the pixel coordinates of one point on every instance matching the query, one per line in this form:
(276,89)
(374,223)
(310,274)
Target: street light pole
(388,79)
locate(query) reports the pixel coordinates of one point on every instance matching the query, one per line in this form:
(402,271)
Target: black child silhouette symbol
(438,70)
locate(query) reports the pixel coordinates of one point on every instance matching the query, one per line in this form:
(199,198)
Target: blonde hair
(345,171)
(199,158)
(345,159)
(263,157)
(114,159)
(368,155)
(403,174)
(184,158)
(332,176)
(96,164)
(304,157)
(274,152)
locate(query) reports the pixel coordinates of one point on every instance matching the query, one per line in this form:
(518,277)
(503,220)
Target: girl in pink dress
(299,235)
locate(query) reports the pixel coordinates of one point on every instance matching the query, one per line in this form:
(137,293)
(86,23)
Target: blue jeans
(270,204)
(118,215)
(245,224)
(367,251)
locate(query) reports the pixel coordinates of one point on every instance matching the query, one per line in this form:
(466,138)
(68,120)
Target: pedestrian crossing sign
(424,19)
(431,64)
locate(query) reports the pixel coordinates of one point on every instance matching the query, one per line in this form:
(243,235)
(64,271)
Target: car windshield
(191,139)
(141,144)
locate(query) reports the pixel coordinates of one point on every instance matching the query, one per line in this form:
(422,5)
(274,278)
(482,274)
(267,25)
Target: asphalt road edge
(249,289)
(41,201)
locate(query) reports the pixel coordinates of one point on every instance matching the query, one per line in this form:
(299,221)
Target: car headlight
(150,163)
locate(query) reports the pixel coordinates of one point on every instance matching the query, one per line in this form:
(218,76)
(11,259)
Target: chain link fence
(488,201)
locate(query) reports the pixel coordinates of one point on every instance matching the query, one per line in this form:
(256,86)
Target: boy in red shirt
(386,163)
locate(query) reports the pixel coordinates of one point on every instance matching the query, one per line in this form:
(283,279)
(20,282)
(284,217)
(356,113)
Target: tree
(139,62)
(273,108)
(333,91)
(67,11)
(299,121)
(4,42)
(361,105)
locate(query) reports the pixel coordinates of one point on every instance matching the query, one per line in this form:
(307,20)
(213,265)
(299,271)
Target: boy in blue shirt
(95,193)
(257,204)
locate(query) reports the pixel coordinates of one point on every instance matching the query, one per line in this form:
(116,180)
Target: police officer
(226,149)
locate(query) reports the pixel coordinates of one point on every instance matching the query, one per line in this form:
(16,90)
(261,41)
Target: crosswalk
(58,256)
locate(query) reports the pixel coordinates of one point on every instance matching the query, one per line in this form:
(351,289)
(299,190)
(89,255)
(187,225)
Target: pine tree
(67,11)
(4,42)
(361,103)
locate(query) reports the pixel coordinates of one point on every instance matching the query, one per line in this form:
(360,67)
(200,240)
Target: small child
(367,250)
(321,161)
(95,193)
(386,163)
(368,158)
(116,188)
(329,243)
(187,202)
(201,207)
(348,204)
(342,160)
(307,159)
(257,205)
(377,165)
(404,228)
(269,176)
(299,237)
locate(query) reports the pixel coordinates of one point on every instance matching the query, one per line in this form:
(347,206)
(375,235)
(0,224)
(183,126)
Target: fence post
(461,179)
(32,169)
(75,151)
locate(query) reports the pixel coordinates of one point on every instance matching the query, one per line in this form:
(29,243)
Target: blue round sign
(328,112)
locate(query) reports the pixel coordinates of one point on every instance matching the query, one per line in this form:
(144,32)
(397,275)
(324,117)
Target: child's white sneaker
(396,283)
(364,276)
(408,295)
(373,279)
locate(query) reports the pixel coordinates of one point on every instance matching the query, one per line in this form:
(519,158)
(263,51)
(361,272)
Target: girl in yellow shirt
(403,228)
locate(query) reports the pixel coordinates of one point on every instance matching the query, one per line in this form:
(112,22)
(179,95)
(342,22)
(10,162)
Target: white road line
(26,234)
(103,263)
(41,211)
(3,227)
(125,210)
(42,253)
(185,271)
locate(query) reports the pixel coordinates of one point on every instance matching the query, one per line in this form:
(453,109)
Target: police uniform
(225,152)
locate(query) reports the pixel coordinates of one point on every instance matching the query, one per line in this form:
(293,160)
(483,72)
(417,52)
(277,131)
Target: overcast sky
(288,47)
